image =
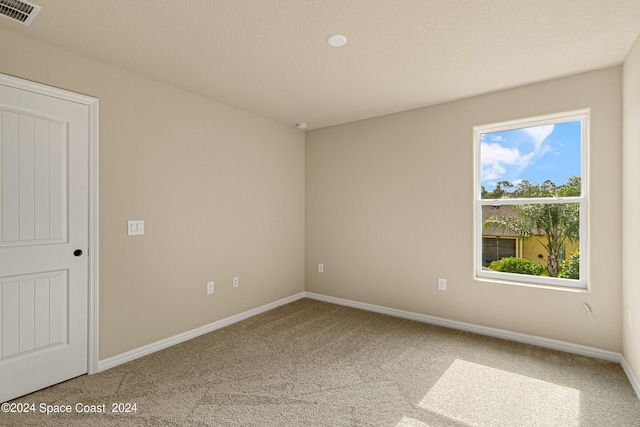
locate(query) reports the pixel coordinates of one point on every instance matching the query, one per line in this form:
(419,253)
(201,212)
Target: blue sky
(535,154)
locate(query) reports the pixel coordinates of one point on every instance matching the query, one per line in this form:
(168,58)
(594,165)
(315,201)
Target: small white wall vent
(19,10)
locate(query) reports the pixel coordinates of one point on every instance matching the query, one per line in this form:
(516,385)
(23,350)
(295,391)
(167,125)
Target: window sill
(495,281)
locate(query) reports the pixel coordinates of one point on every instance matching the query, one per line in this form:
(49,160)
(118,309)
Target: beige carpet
(311,363)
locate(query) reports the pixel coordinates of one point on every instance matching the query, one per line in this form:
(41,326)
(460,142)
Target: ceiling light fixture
(301,125)
(337,40)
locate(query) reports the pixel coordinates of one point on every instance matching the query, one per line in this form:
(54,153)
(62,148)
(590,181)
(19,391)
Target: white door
(43,221)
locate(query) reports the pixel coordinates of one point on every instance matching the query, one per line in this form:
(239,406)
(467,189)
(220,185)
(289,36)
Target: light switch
(135,227)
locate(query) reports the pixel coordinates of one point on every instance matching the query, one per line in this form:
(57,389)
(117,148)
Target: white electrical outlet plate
(210,287)
(236,282)
(320,268)
(442,284)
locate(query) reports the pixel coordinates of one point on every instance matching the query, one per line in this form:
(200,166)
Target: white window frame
(521,279)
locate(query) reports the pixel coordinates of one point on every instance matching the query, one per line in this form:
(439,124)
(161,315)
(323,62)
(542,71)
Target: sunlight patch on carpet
(410,422)
(478,395)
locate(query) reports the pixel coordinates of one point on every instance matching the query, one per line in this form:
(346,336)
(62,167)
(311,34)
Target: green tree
(499,192)
(559,223)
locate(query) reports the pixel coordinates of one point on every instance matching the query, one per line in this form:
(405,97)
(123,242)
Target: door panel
(34,312)
(34,179)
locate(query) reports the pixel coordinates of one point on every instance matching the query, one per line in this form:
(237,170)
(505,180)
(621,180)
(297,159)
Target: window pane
(546,239)
(531,161)
(496,248)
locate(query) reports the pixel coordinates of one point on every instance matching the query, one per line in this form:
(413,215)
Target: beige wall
(631,209)
(389,208)
(221,192)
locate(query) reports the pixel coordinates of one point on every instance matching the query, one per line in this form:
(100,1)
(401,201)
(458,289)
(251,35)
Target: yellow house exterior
(498,244)
(533,249)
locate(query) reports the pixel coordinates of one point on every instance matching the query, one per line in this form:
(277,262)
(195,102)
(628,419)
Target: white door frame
(93,255)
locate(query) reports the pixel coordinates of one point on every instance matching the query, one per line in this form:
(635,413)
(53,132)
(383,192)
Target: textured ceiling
(271,57)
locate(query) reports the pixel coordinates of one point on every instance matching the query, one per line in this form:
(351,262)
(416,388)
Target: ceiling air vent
(18,10)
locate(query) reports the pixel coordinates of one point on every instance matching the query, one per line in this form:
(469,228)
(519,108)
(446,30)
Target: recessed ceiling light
(337,40)
(301,125)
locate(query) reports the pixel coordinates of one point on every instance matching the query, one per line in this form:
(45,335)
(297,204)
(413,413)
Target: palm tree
(558,223)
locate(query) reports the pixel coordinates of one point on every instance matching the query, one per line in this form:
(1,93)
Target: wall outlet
(629,318)
(210,287)
(236,281)
(320,268)
(442,284)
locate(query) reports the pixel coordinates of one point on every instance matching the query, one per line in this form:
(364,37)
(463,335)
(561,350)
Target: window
(496,248)
(531,200)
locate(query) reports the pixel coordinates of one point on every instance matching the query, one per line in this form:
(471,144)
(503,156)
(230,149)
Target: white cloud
(493,171)
(500,162)
(491,137)
(496,159)
(496,153)
(539,134)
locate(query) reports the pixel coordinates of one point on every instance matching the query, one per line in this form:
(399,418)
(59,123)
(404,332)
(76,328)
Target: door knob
(77,252)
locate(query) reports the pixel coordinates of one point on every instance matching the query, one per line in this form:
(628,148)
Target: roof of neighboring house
(505,210)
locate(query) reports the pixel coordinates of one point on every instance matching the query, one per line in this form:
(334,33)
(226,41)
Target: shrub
(570,268)
(518,265)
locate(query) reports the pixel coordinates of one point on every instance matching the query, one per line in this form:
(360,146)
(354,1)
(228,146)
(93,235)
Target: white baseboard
(481,330)
(632,378)
(128,356)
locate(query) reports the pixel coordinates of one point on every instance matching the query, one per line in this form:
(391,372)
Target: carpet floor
(311,363)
